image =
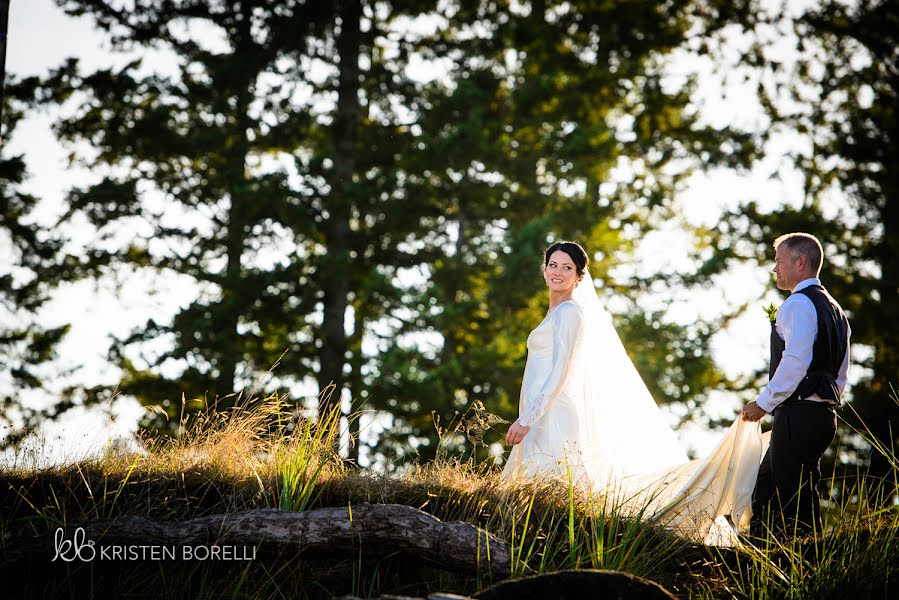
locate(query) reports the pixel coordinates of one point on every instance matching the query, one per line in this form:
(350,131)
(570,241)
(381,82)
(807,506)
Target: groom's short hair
(803,244)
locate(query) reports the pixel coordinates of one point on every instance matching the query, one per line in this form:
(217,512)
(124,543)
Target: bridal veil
(630,455)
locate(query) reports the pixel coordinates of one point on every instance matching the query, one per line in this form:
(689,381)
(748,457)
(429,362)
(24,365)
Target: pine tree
(30,269)
(269,171)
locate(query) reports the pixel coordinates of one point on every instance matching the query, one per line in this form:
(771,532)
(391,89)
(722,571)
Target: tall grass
(260,453)
(577,530)
(300,462)
(856,556)
(263,453)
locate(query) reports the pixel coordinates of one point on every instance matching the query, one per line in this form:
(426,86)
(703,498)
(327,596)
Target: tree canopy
(360,192)
(841,98)
(27,274)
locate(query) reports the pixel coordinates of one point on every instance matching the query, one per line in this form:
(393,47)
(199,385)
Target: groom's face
(786,268)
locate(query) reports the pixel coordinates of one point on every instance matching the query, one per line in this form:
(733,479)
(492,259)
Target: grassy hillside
(256,457)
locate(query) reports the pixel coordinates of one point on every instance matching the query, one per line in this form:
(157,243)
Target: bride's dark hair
(572,249)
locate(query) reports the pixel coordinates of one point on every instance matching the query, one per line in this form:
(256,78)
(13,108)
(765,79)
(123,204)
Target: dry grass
(261,454)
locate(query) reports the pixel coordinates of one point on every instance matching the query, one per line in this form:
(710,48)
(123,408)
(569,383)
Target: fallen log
(371,529)
(576,584)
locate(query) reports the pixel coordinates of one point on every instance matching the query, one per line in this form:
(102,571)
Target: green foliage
(239,173)
(543,106)
(29,270)
(841,97)
(318,197)
(674,360)
(301,462)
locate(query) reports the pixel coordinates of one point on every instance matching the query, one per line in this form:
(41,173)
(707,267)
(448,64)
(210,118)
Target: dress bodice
(540,340)
(551,346)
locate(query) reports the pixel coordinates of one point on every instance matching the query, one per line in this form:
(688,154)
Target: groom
(807,376)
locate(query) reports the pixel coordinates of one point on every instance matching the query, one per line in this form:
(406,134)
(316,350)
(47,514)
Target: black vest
(827,353)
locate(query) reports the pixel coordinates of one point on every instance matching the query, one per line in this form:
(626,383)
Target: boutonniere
(771,311)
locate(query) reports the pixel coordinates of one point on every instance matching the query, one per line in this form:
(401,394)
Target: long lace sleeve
(568,325)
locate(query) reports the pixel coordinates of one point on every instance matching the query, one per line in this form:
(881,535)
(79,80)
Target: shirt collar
(806,283)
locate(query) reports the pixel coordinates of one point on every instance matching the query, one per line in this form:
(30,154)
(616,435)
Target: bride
(587,418)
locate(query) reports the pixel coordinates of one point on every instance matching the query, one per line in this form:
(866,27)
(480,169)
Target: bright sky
(41,36)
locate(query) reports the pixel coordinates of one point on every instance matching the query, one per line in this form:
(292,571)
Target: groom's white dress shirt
(797,325)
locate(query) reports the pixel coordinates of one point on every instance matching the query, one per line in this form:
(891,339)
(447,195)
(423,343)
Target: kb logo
(76,548)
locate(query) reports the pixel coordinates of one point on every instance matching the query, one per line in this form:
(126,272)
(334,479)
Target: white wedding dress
(594,424)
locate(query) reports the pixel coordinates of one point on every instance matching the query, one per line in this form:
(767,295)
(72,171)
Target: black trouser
(786,487)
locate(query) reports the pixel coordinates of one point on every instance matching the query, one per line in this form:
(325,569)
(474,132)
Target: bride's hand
(516,433)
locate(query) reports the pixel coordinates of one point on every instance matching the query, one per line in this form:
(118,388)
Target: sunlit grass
(265,454)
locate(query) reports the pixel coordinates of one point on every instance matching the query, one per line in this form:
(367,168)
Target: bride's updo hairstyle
(572,249)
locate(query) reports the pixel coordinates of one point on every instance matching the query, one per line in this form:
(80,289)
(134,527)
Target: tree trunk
(4,28)
(335,275)
(371,529)
(237,232)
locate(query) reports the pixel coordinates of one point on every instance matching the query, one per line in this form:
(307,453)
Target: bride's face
(560,272)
